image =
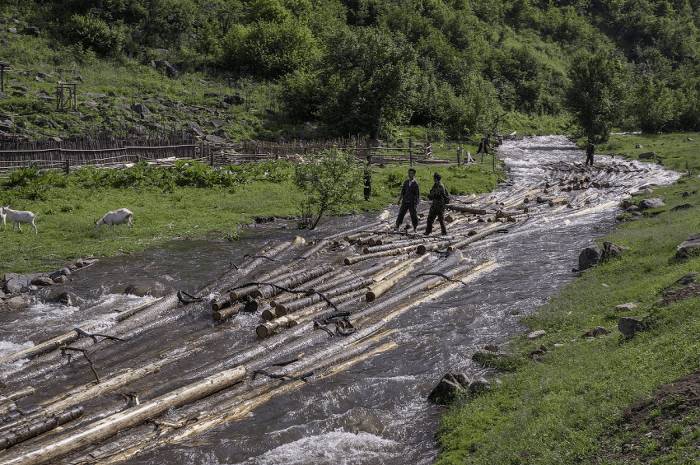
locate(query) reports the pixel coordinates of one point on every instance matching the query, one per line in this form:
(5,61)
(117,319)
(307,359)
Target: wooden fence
(110,152)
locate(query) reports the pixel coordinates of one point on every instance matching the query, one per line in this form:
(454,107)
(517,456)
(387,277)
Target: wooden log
(38,427)
(294,305)
(266,292)
(314,249)
(273,326)
(102,429)
(226,313)
(320,284)
(466,209)
(387,253)
(487,231)
(238,294)
(379,288)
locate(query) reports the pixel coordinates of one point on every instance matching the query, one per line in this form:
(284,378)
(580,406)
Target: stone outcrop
(689,248)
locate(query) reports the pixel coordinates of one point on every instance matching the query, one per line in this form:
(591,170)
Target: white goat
(17,217)
(121,216)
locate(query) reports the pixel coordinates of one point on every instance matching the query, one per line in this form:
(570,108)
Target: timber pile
(333,306)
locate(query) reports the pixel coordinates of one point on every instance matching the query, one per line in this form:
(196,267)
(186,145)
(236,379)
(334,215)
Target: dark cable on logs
(301,377)
(441,275)
(64,351)
(261,256)
(186,298)
(94,336)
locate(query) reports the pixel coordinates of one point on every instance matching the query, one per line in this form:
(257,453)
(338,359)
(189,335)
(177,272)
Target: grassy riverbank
(569,407)
(67,208)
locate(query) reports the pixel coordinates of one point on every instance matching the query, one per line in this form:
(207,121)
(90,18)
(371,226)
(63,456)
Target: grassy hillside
(338,67)
(574,404)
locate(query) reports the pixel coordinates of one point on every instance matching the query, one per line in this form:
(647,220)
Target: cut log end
(370,297)
(226,313)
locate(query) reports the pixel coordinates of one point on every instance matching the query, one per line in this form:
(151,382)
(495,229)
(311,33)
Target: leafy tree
(655,105)
(329,179)
(597,94)
(368,80)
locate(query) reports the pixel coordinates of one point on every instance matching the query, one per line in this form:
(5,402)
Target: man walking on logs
(440,197)
(409,198)
(590,150)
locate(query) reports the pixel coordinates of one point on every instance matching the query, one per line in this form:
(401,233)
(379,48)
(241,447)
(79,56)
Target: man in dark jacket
(440,197)
(409,198)
(590,151)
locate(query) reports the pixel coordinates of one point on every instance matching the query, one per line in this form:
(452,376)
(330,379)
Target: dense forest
(365,66)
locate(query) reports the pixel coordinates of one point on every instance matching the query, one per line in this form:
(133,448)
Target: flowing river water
(376,411)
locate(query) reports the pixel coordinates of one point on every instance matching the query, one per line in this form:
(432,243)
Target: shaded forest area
(371,66)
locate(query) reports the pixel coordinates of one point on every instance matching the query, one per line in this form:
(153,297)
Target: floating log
(221,303)
(488,230)
(238,294)
(342,302)
(379,288)
(387,253)
(301,277)
(314,249)
(226,313)
(113,424)
(320,284)
(466,209)
(294,305)
(34,429)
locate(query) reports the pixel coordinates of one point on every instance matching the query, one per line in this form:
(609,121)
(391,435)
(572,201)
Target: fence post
(211,156)
(66,166)
(459,155)
(410,151)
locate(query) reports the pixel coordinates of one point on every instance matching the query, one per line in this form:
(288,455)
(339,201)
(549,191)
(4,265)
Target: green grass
(66,215)
(564,409)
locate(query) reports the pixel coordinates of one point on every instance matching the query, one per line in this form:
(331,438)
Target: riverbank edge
(567,401)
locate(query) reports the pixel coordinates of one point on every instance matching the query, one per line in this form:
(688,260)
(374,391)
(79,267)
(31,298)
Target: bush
(94,33)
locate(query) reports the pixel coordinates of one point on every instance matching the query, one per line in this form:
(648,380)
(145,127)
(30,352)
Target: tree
(368,79)
(329,179)
(597,93)
(655,105)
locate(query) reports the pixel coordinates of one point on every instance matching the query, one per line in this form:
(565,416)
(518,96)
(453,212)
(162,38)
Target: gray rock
(141,290)
(491,347)
(647,156)
(639,146)
(479,386)
(60,279)
(234,99)
(141,109)
(536,334)
(12,30)
(589,257)
(449,388)
(651,203)
(16,283)
(195,129)
(42,281)
(629,306)
(221,132)
(64,298)
(2,294)
(595,332)
(683,206)
(215,139)
(690,278)
(166,67)
(217,123)
(689,248)
(629,326)
(610,251)
(31,31)
(19,302)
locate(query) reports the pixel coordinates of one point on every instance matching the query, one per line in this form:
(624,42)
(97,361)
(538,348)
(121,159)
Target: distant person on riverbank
(408,200)
(440,197)
(368,179)
(484,146)
(590,151)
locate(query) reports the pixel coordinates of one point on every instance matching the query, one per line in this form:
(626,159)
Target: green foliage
(597,93)
(95,33)
(655,105)
(329,179)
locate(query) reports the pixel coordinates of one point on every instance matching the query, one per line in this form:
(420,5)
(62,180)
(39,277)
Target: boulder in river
(654,202)
(19,302)
(589,257)
(454,385)
(62,297)
(16,283)
(42,281)
(689,248)
(155,289)
(629,326)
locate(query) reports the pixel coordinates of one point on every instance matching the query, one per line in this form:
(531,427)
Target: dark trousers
(367,192)
(411,208)
(589,159)
(438,213)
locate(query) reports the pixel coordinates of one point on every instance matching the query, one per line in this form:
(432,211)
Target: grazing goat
(17,217)
(121,216)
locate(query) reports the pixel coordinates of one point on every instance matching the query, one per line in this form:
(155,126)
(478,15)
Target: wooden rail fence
(114,152)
